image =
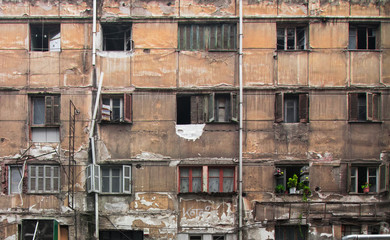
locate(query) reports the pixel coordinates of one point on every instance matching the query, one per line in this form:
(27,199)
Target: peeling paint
(190,132)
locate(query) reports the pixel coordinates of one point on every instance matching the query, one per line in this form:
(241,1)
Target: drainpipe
(94,34)
(240,124)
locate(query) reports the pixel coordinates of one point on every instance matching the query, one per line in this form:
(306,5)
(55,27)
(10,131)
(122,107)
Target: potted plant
(366,187)
(292,184)
(279,188)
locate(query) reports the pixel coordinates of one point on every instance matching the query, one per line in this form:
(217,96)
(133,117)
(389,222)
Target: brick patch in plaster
(190,132)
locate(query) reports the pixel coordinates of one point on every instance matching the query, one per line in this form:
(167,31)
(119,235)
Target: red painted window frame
(221,177)
(190,177)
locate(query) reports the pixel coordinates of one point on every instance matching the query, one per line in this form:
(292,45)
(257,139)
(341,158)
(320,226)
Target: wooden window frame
(190,179)
(125,107)
(124,180)
(10,180)
(372,109)
(380,186)
(38,178)
(296,45)
(221,177)
(231,110)
(197,108)
(302,107)
(355,32)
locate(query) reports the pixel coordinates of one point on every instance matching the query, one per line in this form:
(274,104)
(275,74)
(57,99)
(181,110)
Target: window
(221,179)
(190,180)
(116,108)
(291,38)
(362,37)
(291,108)
(294,232)
(209,37)
(351,230)
(364,107)
(218,237)
(283,173)
(361,175)
(116,179)
(40,229)
(196,237)
(14,179)
(45,119)
(117,37)
(121,235)
(45,37)
(215,107)
(43,179)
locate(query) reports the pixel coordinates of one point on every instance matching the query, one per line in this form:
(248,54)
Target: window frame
(372,108)
(197,109)
(380,186)
(302,173)
(124,188)
(221,179)
(231,110)
(44,178)
(125,108)
(353,36)
(285,37)
(54,29)
(126,28)
(301,110)
(298,229)
(190,178)
(205,35)
(10,179)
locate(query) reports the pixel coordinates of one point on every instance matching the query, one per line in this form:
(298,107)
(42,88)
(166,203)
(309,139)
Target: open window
(291,107)
(43,179)
(291,37)
(117,37)
(115,179)
(116,108)
(282,173)
(364,107)
(363,37)
(45,37)
(41,229)
(45,118)
(208,37)
(375,178)
(191,109)
(223,107)
(93,178)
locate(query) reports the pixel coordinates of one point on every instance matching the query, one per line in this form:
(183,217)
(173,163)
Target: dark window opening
(364,107)
(291,232)
(116,37)
(197,237)
(291,38)
(40,229)
(286,172)
(362,37)
(351,230)
(222,108)
(361,176)
(291,108)
(184,109)
(45,37)
(121,235)
(116,108)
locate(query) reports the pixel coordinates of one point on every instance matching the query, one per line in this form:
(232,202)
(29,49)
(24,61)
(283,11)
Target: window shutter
(349,169)
(88,174)
(52,110)
(194,109)
(376,107)
(211,108)
(127,107)
(304,107)
(384,177)
(279,107)
(353,106)
(234,107)
(93,178)
(369,106)
(126,179)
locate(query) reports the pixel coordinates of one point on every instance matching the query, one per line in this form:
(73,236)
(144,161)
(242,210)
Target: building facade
(127,127)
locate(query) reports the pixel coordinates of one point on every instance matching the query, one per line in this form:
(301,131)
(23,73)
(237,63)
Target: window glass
(196,180)
(15,178)
(44,178)
(39,110)
(213,180)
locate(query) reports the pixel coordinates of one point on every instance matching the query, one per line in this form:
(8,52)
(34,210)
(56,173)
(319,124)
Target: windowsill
(216,194)
(293,50)
(113,122)
(362,194)
(114,194)
(36,51)
(365,122)
(364,50)
(292,122)
(43,193)
(209,50)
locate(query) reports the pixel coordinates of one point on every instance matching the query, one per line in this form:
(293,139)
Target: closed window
(15,179)
(293,232)
(117,37)
(208,37)
(364,107)
(291,38)
(291,108)
(363,37)
(45,37)
(43,179)
(351,229)
(190,179)
(115,179)
(45,118)
(221,179)
(116,108)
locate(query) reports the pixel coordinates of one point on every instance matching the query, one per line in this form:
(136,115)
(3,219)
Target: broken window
(221,179)
(15,179)
(121,235)
(43,179)
(364,107)
(291,108)
(363,37)
(39,229)
(45,119)
(291,38)
(283,173)
(215,107)
(351,230)
(115,179)
(292,232)
(117,37)
(45,37)
(209,37)
(190,179)
(116,108)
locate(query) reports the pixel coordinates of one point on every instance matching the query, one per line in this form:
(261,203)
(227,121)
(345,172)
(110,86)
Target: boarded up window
(207,37)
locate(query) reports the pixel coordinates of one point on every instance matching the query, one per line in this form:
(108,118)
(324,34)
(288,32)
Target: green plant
(279,188)
(306,192)
(366,185)
(292,182)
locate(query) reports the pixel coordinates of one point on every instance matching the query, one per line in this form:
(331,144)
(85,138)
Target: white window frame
(10,180)
(354,178)
(125,179)
(44,178)
(93,178)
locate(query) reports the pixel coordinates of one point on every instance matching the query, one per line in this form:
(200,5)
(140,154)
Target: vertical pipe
(94,34)
(240,122)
